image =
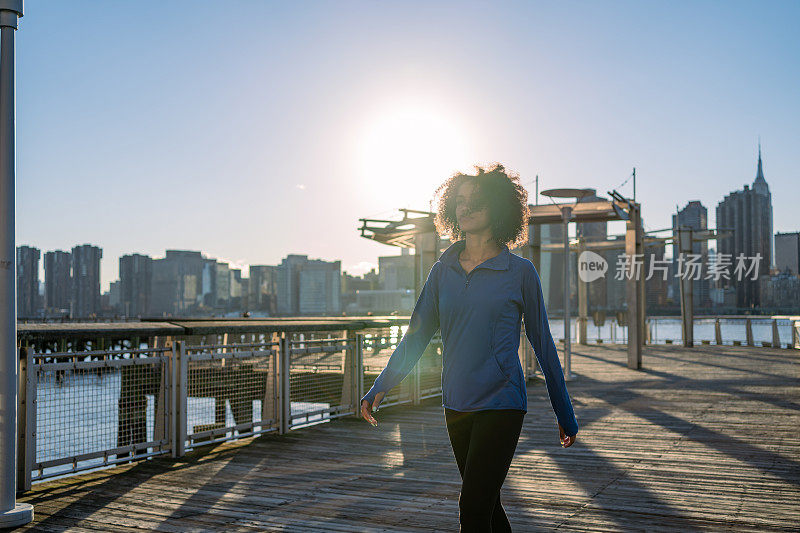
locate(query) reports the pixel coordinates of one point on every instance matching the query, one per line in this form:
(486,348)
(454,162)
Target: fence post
(748,327)
(270,403)
(173,398)
(26,421)
(349,371)
(717,331)
(796,334)
(776,337)
(359,371)
(31,393)
(181,392)
(285,386)
(161,420)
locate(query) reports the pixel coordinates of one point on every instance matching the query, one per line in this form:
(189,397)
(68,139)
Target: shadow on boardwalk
(699,439)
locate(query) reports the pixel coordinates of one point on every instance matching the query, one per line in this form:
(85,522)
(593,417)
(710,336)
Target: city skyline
(245,266)
(198,146)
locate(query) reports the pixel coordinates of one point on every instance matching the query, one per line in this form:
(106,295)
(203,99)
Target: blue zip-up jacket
(479,314)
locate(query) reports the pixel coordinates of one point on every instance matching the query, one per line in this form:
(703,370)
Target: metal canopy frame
(420,233)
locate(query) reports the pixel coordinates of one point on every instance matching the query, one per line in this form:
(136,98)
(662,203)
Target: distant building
(353,285)
(320,288)
(723,297)
(238,288)
(366,282)
(655,288)
(695,216)
(28,304)
(787,252)
(57,281)
(597,290)
(748,215)
(216,285)
(262,289)
(85,281)
(780,292)
(113,297)
(289,284)
(615,288)
(135,285)
(397,271)
(309,287)
(176,285)
(551,268)
(384,302)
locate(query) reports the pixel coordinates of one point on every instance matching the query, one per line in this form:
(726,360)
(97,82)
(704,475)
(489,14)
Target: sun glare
(406,153)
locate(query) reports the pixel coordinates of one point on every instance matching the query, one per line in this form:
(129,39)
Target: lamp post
(566,216)
(12,514)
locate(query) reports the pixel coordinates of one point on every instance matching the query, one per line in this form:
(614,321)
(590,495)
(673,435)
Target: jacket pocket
(493,355)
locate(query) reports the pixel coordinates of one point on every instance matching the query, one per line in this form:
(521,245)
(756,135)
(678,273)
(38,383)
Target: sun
(406,152)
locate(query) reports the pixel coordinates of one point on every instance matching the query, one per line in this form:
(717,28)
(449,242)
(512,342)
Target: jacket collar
(450,257)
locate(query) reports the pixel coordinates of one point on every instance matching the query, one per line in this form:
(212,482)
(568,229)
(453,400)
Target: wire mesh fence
(231,391)
(321,370)
(95,408)
(378,346)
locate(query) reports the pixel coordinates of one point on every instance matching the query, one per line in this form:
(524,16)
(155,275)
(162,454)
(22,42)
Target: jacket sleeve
(422,325)
(537,329)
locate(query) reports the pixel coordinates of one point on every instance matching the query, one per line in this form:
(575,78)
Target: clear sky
(250,130)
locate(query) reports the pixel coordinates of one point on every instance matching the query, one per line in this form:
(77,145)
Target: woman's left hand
(566,440)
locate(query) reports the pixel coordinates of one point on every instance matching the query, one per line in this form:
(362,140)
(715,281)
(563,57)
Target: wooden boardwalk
(701,439)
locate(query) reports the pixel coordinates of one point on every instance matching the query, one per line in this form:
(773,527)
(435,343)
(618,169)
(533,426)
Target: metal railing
(83,409)
(777,331)
(224,391)
(93,408)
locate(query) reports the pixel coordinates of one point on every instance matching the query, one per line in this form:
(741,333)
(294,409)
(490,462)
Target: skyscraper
(85,280)
(787,252)
(262,288)
(27,281)
(694,216)
(289,284)
(216,283)
(57,280)
(135,284)
(748,215)
(177,283)
(309,286)
(320,288)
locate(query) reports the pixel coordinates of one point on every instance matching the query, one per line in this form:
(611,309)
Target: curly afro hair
(495,188)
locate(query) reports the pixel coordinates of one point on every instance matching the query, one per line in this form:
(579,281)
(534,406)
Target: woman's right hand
(366,408)
(566,440)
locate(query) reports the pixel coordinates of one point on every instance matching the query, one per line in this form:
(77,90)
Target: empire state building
(748,215)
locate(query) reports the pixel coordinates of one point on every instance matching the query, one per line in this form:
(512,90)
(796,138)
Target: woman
(478,292)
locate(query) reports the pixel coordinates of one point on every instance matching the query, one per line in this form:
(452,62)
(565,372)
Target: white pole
(566,213)
(12,514)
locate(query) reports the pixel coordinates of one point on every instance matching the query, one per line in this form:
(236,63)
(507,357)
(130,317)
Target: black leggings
(483,444)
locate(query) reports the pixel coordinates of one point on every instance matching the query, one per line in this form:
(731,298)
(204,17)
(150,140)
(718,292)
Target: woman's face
(470,214)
